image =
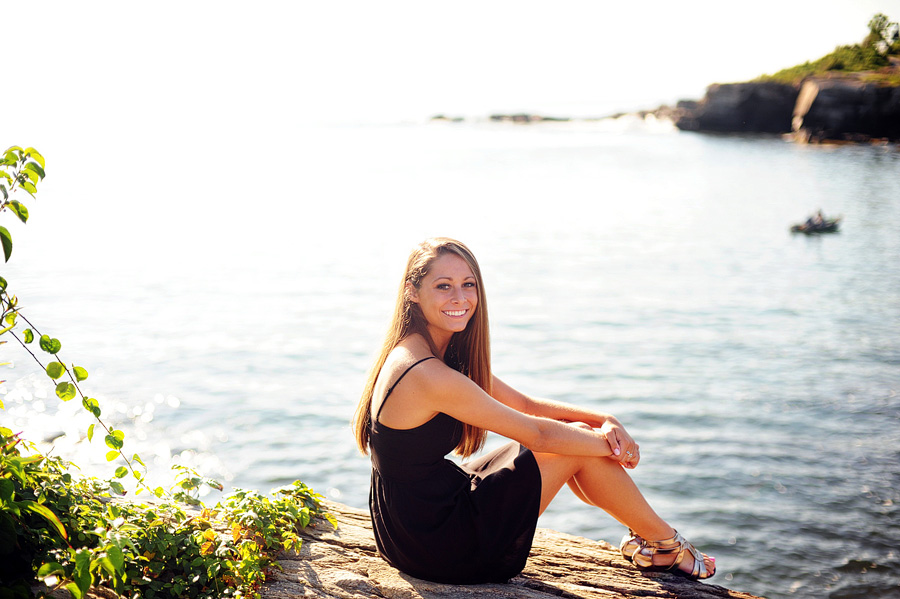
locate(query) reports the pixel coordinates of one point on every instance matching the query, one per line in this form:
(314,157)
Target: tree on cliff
(884,35)
(871,54)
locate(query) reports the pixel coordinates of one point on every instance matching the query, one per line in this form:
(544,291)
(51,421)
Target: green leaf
(82,573)
(35,168)
(91,405)
(115,439)
(50,569)
(116,557)
(3,284)
(111,455)
(138,459)
(48,515)
(74,590)
(29,335)
(55,370)
(90,433)
(121,472)
(7,491)
(29,187)
(3,190)
(65,391)
(19,209)
(6,240)
(80,373)
(117,487)
(36,156)
(51,346)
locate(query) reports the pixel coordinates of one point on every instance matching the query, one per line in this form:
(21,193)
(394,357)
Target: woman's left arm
(626,451)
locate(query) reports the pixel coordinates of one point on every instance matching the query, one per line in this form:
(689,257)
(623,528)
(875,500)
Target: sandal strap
(680,546)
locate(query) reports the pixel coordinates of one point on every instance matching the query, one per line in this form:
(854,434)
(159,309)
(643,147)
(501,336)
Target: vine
(72,532)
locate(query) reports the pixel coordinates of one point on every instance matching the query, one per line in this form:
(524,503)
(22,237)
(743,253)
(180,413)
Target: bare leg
(603,483)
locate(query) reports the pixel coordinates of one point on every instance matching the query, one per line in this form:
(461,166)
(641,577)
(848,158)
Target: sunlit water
(630,268)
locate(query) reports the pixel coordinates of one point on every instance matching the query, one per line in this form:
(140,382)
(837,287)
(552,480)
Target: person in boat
(431,391)
(819,219)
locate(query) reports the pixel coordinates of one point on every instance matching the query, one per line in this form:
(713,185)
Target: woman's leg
(603,483)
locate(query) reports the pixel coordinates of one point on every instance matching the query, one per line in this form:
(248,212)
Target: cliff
(343,563)
(831,107)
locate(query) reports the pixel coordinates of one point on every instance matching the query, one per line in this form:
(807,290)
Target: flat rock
(343,563)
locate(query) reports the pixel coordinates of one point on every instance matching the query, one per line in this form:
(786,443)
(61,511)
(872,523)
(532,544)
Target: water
(630,268)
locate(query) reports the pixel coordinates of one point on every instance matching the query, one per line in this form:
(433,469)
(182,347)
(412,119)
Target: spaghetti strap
(400,378)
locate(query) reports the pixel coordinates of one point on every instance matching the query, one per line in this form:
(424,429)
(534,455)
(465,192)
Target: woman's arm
(443,389)
(623,445)
(547,408)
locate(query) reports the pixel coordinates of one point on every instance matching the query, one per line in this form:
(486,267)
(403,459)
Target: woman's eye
(469,284)
(443,286)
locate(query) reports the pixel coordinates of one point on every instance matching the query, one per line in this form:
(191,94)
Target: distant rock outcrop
(344,564)
(832,107)
(740,108)
(846,109)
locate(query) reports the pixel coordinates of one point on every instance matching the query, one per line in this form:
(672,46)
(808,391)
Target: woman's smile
(447,296)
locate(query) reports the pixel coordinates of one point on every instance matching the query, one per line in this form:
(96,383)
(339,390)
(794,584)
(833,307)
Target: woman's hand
(624,449)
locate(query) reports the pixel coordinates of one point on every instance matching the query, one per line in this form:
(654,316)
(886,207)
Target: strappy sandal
(641,552)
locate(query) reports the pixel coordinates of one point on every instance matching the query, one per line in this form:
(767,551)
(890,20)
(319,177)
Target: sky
(338,60)
(127,100)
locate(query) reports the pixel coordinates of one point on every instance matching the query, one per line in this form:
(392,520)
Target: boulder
(846,109)
(753,107)
(343,563)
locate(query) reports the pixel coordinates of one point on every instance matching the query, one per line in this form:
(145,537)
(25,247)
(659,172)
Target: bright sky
(117,94)
(189,60)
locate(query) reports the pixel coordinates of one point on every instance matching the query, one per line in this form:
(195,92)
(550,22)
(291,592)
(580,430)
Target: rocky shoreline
(833,108)
(343,563)
(821,109)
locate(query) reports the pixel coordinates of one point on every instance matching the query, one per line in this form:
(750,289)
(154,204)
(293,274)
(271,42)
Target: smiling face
(448,296)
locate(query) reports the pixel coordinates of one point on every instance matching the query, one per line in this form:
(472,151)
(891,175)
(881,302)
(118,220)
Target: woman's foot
(675,555)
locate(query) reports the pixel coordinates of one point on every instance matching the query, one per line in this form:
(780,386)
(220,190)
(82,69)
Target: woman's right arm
(443,389)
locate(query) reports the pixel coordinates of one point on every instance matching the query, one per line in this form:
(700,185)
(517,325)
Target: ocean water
(629,267)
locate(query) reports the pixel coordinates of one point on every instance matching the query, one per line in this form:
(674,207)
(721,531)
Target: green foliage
(872,54)
(74,533)
(19,169)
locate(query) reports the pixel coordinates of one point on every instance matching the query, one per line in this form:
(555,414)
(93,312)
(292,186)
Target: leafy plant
(73,532)
(872,54)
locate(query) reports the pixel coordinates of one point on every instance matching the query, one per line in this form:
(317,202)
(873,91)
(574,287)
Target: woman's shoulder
(405,355)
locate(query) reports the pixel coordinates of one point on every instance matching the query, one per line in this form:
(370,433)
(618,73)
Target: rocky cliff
(846,109)
(740,108)
(343,564)
(836,107)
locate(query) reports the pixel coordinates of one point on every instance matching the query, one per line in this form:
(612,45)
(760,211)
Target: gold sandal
(641,552)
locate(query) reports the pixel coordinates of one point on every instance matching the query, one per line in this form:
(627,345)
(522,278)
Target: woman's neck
(441,342)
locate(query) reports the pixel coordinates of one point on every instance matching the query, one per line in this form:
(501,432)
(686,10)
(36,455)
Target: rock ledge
(343,563)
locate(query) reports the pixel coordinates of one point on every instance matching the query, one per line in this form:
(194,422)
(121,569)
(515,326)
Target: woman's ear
(411,293)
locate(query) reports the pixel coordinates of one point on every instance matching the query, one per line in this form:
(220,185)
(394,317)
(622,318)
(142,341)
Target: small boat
(812,227)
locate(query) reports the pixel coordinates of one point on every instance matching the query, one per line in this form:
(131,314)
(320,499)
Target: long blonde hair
(469,351)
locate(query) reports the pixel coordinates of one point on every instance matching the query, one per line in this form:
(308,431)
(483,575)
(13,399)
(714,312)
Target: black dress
(438,521)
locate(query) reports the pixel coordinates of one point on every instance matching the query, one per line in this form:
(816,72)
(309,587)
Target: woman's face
(447,296)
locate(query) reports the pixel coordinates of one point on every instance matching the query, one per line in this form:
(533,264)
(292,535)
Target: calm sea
(631,268)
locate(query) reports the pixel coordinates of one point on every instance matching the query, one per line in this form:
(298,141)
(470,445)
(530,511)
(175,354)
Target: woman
(431,391)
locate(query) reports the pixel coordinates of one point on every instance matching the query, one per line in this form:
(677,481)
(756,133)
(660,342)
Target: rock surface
(740,108)
(846,109)
(343,563)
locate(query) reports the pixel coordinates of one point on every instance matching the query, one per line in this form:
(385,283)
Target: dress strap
(400,378)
